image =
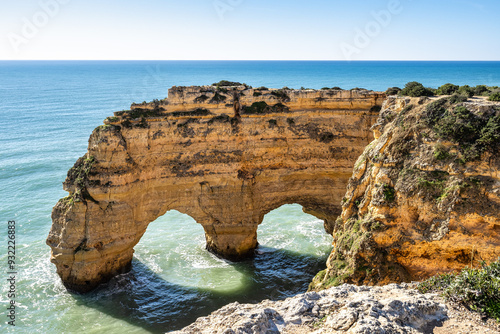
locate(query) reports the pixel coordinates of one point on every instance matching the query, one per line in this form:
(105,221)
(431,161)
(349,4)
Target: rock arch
(224,176)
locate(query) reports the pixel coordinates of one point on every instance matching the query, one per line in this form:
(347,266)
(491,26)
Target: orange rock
(409,213)
(187,153)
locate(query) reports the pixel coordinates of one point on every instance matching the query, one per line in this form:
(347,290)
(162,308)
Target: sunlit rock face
(225,156)
(424,197)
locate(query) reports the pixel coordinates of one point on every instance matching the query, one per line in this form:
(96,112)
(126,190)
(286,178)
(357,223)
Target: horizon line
(257,60)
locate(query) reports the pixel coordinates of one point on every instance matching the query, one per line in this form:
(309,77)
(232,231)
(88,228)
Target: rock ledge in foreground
(354,309)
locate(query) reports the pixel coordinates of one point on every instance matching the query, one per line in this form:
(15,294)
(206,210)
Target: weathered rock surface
(424,197)
(224,156)
(344,309)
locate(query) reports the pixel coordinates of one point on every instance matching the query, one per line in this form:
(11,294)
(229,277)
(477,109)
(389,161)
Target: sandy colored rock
(420,202)
(189,153)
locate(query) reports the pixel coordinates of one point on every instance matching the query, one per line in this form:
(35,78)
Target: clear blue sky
(250,29)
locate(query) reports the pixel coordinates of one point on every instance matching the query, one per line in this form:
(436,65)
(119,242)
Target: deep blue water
(47,112)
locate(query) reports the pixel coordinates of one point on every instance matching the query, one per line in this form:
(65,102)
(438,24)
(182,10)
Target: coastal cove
(49,110)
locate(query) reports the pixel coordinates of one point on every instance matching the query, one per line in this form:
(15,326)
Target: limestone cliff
(424,197)
(223,155)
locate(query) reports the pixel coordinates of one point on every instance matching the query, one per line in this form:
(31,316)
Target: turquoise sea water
(47,112)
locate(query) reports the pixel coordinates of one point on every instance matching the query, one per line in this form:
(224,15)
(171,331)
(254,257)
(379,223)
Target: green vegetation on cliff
(447,89)
(262,107)
(447,136)
(477,289)
(77,178)
(416,89)
(392,91)
(495,96)
(474,133)
(226,83)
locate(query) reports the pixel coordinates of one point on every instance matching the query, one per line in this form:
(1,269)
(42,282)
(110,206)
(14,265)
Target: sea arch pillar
(93,238)
(231,241)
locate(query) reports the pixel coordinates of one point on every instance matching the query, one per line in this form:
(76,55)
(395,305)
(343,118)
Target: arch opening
(174,248)
(293,247)
(173,274)
(288,227)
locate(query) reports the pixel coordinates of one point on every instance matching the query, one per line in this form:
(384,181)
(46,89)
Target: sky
(249,30)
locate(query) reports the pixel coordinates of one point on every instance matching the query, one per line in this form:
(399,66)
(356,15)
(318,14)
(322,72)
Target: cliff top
(243,100)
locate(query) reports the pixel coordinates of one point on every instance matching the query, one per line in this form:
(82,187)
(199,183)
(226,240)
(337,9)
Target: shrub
(225,83)
(281,94)
(262,107)
(466,90)
(140,113)
(142,124)
(113,119)
(415,89)
(262,88)
(256,108)
(490,134)
(218,98)
(494,97)
(457,98)
(475,135)
(392,91)
(435,110)
(431,90)
(196,112)
(440,152)
(477,289)
(389,193)
(447,89)
(257,94)
(481,90)
(460,125)
(200,99)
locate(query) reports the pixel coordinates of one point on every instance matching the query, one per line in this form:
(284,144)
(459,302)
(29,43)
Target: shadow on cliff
(146,300)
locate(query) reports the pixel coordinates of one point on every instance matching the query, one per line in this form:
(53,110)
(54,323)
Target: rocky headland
(408,188)
(225,156)
(424,197)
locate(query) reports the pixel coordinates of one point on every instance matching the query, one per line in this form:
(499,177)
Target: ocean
(49,109)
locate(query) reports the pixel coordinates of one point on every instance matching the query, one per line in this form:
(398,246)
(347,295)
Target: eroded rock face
(224,156)
(424,197)
(344,309)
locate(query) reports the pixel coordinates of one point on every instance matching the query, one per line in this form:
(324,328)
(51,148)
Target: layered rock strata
(223,155)
(424,197)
